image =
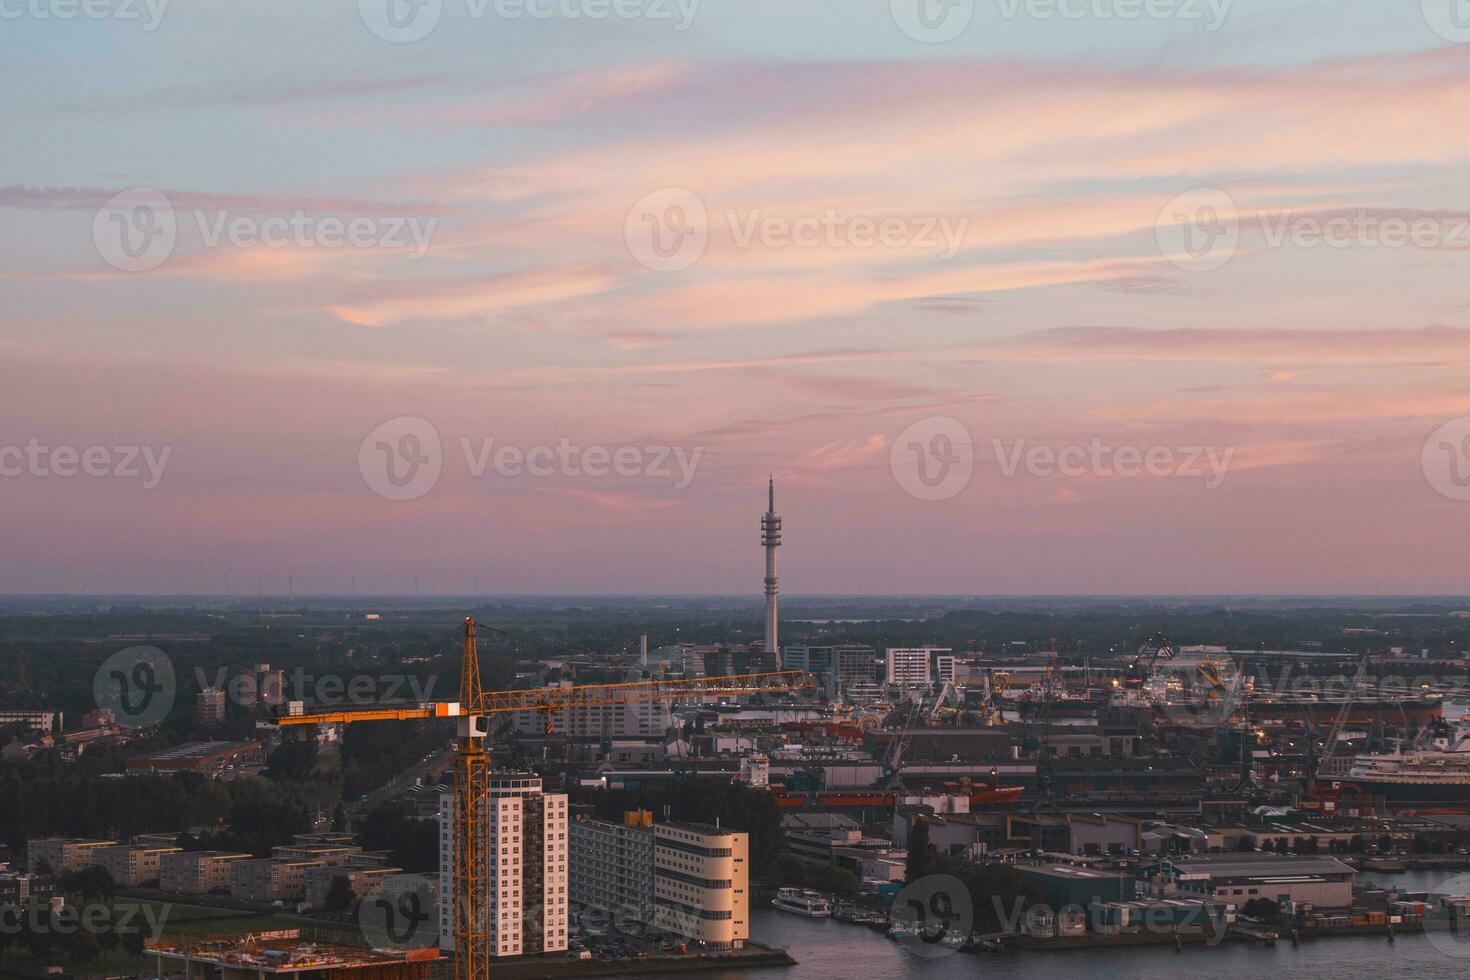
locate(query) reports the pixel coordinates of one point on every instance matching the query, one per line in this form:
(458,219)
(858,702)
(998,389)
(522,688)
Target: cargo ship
(1439,773)
(1417,712)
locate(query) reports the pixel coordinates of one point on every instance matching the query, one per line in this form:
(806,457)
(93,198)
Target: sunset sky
(531,147)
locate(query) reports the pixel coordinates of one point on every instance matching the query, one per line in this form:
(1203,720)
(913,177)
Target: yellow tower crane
(472,762)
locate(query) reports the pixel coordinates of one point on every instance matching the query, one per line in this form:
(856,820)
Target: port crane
(1141,667)
(472,762)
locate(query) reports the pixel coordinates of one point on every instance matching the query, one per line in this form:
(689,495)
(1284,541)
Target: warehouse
(1322,881)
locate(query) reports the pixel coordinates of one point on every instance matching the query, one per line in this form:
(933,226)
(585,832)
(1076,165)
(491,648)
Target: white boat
(811,904)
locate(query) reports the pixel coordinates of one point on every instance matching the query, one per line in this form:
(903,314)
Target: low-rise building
(1071,886)
(197,872)
(205,757)
(18,888)
(266,880)
(365,881)
(1322,881)
(133,864)
(63,855)
(44,722)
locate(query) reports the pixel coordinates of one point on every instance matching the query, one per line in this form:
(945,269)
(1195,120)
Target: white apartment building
(701,883)
(910,667)
(648,720)
(946,668)
(527,877)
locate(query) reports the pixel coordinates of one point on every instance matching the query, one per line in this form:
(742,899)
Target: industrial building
(1066,885)
(1321,881)
(284,953)
(205,757)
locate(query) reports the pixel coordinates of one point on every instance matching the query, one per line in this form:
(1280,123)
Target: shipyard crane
(472,762)
(1329,751)
(1154,649)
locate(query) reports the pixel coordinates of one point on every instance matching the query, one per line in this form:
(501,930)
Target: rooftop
(282,951)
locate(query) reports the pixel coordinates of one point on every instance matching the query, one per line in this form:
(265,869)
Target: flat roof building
(702,883)
(1323,881)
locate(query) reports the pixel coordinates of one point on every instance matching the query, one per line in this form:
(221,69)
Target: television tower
(771,540)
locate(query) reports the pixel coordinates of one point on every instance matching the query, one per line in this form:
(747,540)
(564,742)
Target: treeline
(249,814)
(997,892)
(734,805)
(375,752)
(412,843)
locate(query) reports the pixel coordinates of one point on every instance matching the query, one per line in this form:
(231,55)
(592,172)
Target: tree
(339,895)
(91,884)
(922,856)
(412,843)
(293,761)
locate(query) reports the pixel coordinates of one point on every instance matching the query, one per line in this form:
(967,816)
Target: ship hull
(1408,792)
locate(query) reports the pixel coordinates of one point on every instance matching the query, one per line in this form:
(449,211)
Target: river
(829,950)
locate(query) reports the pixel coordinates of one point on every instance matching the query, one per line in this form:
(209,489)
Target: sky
(531,296)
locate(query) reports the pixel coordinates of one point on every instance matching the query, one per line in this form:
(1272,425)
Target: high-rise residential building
(851,665)
(912,667)
(701,883)
(209,706)
(945,668)
(612,866)
(526,881)
(817,661)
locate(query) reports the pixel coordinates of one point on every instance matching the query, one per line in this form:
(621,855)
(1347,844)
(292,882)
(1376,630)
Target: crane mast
(471,841)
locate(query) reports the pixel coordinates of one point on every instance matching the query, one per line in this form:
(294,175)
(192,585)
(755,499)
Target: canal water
(829,950)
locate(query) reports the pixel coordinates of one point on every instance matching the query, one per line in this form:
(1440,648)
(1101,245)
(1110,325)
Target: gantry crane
(472,763)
